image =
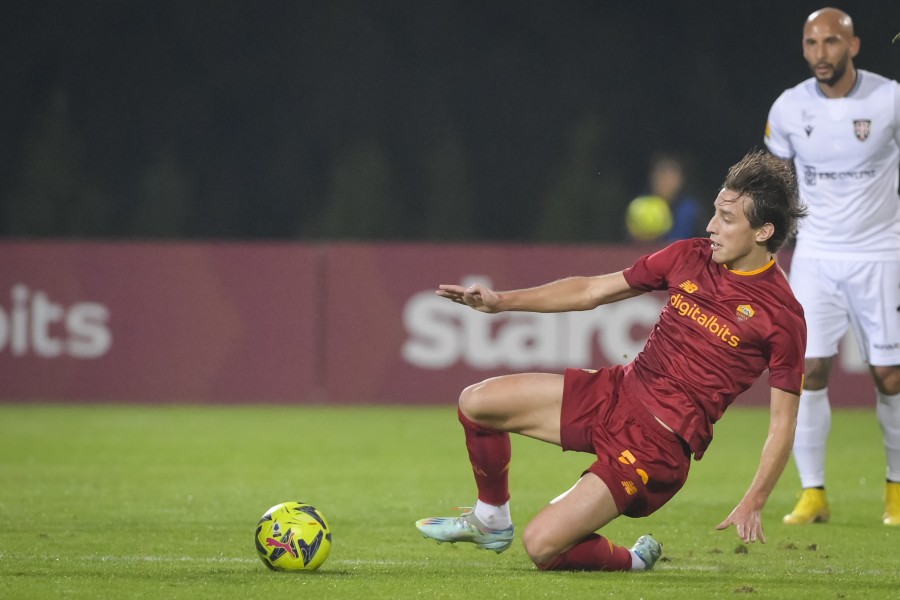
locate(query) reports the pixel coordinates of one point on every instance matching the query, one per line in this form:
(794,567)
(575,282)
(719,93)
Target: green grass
(139,502)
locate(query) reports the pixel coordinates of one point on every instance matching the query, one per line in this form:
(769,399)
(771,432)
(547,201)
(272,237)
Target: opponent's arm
(572,293)
(747,515)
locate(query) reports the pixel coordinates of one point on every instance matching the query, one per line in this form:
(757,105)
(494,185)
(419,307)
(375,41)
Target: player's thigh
(820,291)
(873,290)
(581,511)
(526,403)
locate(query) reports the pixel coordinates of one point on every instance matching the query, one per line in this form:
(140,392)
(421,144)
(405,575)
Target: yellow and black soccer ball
(293,536)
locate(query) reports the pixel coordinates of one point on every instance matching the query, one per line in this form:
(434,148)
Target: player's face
(828,49)
(734,242)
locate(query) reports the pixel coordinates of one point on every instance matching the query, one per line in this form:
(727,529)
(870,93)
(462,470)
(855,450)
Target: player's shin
(813,426)
(594,553)
(888,410)
(489,453)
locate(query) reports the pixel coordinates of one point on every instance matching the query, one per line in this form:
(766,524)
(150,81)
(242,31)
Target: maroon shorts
(643,463)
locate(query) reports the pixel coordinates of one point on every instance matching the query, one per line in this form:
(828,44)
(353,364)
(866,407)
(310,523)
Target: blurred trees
(446,120)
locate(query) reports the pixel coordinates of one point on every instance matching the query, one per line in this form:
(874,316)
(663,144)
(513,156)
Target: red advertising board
(336,323)
(156,322)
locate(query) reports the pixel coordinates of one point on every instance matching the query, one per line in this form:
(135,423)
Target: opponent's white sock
(813,426)
(495,517)
(888,409)
(636,563)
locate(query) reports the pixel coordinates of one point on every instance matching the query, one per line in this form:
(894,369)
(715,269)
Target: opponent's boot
(811,508)
(891,503)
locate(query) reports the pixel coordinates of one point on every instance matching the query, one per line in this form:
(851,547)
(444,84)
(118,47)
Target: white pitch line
(206,559)
(378,563)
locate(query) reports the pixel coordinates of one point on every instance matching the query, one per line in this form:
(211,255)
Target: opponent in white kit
(842,129)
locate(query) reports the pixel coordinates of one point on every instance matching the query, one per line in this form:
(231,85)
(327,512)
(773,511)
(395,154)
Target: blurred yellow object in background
(648,218)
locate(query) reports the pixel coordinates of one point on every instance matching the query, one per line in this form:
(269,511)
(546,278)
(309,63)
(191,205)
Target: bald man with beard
(841,129)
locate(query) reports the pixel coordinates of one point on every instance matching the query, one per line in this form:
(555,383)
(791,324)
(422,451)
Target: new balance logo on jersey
(689,286)
(862,128)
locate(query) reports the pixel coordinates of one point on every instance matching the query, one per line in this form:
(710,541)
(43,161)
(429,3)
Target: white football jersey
(847,154)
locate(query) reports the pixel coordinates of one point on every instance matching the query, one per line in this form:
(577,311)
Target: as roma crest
(862,128)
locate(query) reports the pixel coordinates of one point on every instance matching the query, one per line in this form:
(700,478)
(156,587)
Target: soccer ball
(648,218)
(293,536)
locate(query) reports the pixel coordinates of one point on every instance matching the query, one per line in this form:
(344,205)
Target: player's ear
(764,233)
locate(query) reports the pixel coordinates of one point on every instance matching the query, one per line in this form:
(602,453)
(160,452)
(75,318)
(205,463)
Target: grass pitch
(162,502)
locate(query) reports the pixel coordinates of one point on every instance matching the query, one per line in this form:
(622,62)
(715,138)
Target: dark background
(390,120)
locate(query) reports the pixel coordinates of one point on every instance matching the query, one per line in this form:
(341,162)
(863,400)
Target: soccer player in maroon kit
(730,316)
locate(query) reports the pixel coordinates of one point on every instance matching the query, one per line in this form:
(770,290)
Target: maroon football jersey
(717,333)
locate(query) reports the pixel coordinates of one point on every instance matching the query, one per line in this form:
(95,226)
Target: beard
(837,72)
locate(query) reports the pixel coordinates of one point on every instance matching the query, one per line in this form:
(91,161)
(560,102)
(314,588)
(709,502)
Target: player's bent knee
(468,401)
(475,401)
(540,548)
(817,372)
(887,380)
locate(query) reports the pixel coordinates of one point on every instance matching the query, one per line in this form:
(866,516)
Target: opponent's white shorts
(862,295)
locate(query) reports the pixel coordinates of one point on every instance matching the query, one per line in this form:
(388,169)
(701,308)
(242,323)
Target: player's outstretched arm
(747,515)
(563,295)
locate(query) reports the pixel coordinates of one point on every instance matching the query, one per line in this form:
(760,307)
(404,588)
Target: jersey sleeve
(788,347)
(650,272)
(776,138)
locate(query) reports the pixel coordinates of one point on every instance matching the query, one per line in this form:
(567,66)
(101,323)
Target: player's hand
(748,523)
(475,296)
